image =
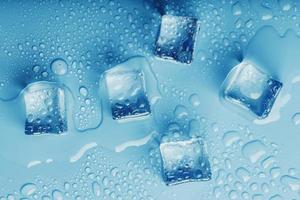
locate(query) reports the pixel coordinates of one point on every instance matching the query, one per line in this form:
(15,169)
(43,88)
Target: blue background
(256,160)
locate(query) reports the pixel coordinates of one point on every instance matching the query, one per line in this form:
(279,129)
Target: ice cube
(176,39)
(185,161)
(45,109)
(127,94)
(250,88)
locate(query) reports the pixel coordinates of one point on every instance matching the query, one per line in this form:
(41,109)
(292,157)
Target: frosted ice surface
(45,109)
(185,161)
(250,88)
(176,39)
(127,94)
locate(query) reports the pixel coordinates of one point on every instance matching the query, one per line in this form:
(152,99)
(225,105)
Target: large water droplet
(285,5)
(292,182)
(57,195)
(276,197)
(194,100)
(96,189)
(180,112)
(28,189)
(230,137)
(243,174)
(296,119)
(254,150)
(59,66)
(236,9)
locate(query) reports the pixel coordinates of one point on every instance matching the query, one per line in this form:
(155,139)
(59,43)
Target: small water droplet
(296,119)
(59,66)
(83,91)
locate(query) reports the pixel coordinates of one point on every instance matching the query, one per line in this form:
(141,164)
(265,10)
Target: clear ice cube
(176,39)
(250,88)
(185,161)
(45,109)
(127,94)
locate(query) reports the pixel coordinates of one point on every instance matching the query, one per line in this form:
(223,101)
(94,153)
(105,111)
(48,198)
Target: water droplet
(292,182)
(180,112)
(236,9)
(59,66)
(254,150)
(96,189)
(275,172)
(83,91)
(194,100)
(276,197)
(57,195)
(230,137)
(28,189)
(285,4)
(243,174)
(36,68)
(268,162)
(233,195)
(296,119)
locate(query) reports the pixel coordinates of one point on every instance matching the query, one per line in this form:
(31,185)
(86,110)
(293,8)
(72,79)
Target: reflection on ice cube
(45,109)
(176,39)
(250,88)
(185,161)
(127,94)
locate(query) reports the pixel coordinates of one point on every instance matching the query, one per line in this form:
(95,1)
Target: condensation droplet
(28,189)
(230,137)
(194,100)
(57,195)
(292,182)
(96,189)
(59,66)
(296,119)
(83,91)
(254,150)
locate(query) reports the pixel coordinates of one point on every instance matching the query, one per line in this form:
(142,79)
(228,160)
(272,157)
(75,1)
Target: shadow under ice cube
(45,109)
(185,161)
(127,94)
(250,88)
(176,39)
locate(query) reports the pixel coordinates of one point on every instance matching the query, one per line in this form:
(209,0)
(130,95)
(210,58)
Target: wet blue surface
(73,43)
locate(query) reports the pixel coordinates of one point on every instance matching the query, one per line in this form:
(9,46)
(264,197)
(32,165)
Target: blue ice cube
(127,94)
(185,161)
(252,89)
(176,39)
(45,109)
